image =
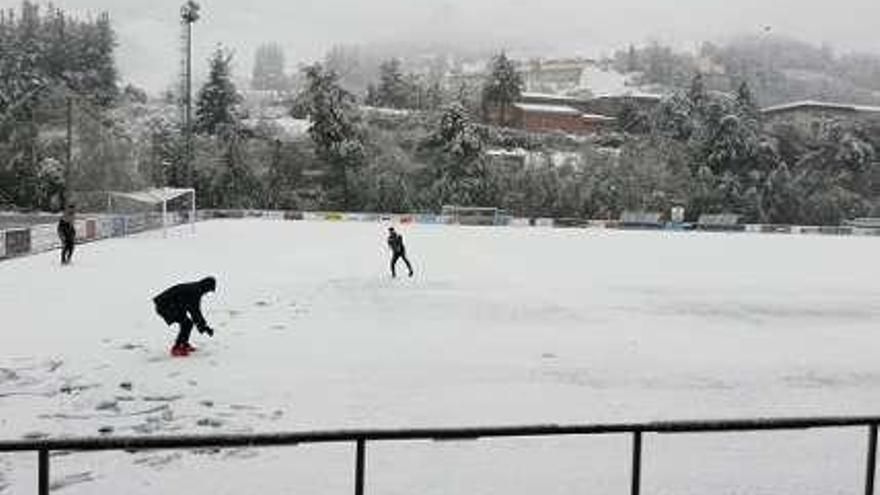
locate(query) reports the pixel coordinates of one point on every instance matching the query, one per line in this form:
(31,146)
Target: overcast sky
(148,29)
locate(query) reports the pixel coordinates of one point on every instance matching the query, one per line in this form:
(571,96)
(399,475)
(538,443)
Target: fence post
(43,472)
(359,467)
(636,463)
(872,460)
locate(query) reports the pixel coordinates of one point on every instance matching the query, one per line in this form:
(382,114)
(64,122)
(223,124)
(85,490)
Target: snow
(813,104)
(499,327)
(561,109)
(606,82)
(551,96)
(597,117)
(389,112)
(515,153)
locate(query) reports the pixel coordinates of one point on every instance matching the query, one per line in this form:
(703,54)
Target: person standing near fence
(67,233)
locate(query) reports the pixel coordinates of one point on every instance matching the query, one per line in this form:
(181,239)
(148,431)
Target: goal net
(152,209)
(474,215)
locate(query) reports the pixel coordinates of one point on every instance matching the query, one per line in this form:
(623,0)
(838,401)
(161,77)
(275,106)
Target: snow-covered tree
(217,100)
(334,126)
(394,90)
(503,86)
(269,64)
(459,166)
(236,186)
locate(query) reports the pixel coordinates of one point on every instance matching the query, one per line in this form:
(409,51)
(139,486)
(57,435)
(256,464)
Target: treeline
(423,147)
(777,68)
(712,153)
(46,58)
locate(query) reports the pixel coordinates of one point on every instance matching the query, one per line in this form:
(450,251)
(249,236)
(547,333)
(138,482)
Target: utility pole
(68,163)
(189,14)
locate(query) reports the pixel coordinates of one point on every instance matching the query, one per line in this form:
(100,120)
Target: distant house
(538,112)
(535,117)
(553,75)
(604,105)
(809,115)
(536,98)
(614,104)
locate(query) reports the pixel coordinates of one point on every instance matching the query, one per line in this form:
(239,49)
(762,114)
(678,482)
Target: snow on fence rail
(44,447)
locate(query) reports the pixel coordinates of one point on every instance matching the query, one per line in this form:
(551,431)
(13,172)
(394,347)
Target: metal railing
(361,437)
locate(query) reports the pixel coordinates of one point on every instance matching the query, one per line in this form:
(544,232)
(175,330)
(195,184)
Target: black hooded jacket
(66,230)
(395,242)
(174,303)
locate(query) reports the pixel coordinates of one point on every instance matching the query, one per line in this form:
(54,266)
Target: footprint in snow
(72,479)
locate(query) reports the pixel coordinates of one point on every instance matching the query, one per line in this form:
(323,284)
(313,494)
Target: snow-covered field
(499,327)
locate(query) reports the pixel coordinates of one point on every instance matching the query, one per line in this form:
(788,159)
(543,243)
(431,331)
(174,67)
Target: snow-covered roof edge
(821,104)
(561,109)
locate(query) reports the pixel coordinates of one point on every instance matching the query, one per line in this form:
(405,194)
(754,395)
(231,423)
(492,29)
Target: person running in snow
(398,250)
(182,304)
(67,233)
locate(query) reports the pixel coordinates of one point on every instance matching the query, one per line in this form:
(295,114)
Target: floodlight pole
(68,163)
(189,14)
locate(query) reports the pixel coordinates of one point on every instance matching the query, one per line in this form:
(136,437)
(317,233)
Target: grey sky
(148,29)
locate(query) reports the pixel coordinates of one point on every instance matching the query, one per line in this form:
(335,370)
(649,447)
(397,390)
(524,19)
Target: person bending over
(181,304)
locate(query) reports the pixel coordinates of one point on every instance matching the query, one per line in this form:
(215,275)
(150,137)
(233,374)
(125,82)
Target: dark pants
(172,314)
(394,259)
(67,251)
(186,326)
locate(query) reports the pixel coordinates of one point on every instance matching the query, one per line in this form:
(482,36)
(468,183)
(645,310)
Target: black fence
(361,437)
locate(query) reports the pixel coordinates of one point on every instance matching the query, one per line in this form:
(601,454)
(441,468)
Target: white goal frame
(456,213)
(159,196)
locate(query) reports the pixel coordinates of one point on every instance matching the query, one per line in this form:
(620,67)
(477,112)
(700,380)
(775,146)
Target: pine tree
(746,101)
(456,150)
(393,90)
(632,60)
(217,101)
(697,93)
(236,185)
(502,88)
(268,72)
(102,63)
(334,128)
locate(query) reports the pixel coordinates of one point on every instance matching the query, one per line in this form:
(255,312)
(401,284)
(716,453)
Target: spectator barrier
(18,242)
(636,433)
(43,237)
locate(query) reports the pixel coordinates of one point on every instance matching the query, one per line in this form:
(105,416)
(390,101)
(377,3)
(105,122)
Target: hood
(208,284)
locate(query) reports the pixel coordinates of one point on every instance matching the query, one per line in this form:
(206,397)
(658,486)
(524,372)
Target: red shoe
(179,351)
(189,347)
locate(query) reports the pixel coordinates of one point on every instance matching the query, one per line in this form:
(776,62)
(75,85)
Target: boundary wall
(90,228)
(43,237)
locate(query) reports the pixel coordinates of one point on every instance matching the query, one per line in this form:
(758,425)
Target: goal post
(475,215)
(161,207)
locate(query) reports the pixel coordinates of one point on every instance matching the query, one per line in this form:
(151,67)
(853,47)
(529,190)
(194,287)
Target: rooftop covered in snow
(820,105)
(557,109)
